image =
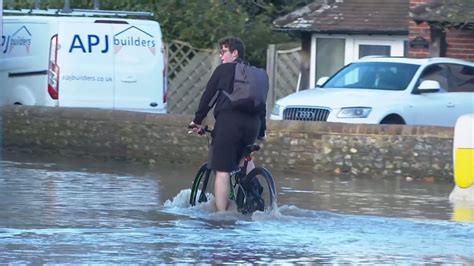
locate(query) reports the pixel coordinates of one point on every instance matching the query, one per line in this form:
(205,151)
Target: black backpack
(250,88)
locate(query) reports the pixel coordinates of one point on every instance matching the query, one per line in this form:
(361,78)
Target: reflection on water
(115,213)
(394,198)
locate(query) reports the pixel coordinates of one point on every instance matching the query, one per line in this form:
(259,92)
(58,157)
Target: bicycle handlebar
(201,131)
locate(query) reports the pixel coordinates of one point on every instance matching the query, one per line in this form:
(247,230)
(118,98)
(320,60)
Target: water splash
(179,204)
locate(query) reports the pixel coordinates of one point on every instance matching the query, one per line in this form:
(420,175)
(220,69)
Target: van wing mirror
(321,81)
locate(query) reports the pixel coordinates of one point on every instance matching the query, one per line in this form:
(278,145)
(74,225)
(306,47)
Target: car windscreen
(373,75)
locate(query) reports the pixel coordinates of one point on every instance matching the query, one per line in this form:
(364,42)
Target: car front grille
(305,114)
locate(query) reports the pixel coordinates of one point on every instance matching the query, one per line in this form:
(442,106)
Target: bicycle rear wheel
(203,185)
(257,192)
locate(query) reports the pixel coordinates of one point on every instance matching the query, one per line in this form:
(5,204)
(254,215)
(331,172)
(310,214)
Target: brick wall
(319,149)
(460,42)
(419,30)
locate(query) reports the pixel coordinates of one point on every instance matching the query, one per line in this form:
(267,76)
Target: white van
(71,61)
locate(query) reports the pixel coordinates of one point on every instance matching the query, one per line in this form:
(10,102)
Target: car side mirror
(428,86)
(321,81)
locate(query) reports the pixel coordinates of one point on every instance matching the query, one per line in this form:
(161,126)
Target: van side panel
(24,62)
(95,62)
(138,52)
(86,64)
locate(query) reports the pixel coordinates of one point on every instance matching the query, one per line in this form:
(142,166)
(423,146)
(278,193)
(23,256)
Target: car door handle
(450,105)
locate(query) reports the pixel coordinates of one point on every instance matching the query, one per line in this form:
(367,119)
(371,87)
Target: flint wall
(365,151)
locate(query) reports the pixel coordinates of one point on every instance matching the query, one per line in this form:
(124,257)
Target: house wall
(460,42)
(305,68)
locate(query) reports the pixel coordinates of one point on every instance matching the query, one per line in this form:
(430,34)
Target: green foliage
(202,22)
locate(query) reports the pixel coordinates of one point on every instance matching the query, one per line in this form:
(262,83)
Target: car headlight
(354,112)
(276,109)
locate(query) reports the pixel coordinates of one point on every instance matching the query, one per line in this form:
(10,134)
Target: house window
(365,50)
(329,56)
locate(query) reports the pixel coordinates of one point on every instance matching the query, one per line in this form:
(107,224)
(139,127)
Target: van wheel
(393,120)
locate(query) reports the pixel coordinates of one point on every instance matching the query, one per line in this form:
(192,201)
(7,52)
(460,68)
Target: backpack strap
(213,101)
(237,78)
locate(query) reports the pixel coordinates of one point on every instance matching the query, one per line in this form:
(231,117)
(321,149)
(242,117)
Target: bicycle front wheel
(258,192)
(203,186)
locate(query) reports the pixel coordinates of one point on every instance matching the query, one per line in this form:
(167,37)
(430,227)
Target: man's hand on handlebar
(196,128)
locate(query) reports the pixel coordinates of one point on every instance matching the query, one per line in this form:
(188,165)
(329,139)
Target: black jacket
(222,79)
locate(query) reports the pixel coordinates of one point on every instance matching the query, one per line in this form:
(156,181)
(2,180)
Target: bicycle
(255,191)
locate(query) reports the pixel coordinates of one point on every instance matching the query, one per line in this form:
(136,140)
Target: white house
(337,32)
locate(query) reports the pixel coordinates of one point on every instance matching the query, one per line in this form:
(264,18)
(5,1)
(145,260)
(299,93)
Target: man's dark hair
(233,43)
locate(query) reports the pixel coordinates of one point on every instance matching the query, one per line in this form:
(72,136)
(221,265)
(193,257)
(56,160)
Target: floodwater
(95,212)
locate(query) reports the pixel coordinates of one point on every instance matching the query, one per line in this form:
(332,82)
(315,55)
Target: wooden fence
(283,68)
(190,69)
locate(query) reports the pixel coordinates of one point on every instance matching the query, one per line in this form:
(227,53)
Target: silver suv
(387,90)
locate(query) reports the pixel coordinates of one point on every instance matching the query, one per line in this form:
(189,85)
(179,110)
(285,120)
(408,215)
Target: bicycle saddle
(251,148)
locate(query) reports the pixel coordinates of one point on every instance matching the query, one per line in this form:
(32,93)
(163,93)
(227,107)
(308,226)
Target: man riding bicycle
(234,129)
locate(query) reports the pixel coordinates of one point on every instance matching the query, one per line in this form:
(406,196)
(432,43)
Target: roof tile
(348,16)
(449,12)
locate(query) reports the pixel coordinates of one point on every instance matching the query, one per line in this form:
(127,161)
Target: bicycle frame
(237,176)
